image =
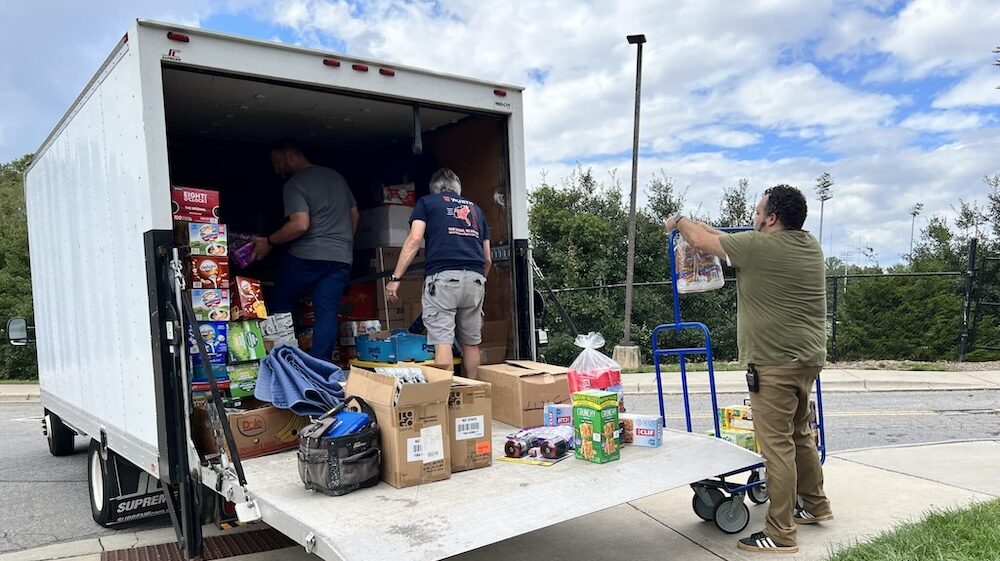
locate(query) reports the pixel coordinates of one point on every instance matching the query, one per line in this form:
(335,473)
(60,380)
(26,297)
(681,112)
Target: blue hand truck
(718,499)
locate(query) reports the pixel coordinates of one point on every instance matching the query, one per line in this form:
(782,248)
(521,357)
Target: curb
(649,388)
(27,397)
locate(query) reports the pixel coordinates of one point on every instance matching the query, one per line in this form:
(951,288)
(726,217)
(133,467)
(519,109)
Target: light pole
(823,185)
(630,358)
(914,211)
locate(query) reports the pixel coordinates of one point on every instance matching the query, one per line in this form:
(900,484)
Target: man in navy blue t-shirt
(455,269)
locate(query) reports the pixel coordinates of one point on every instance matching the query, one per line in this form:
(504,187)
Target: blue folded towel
(291,379)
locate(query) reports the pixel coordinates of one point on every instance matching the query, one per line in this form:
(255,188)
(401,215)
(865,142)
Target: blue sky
(895,99)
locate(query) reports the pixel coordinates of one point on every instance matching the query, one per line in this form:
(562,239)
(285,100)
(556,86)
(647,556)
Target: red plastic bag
(592,369)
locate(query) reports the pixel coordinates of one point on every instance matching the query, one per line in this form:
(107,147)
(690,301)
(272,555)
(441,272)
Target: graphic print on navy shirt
(456,229)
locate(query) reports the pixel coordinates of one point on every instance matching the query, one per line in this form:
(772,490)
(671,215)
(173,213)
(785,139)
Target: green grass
(18,381)
(971,534)
(691,367)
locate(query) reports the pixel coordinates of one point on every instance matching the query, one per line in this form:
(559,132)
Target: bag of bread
(696,271)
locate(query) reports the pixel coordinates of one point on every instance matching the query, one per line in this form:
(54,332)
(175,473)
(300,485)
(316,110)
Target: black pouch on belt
(753,379)
(341,464)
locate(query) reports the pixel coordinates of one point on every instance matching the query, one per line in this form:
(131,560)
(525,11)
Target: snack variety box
(207,239)
(246,342)
(595,426)
(557,414)
(243,379)
(736,417)
(642,430)
(194,205)
(248,299)
(209,272)
(215,336)
(210,304)
(742,438)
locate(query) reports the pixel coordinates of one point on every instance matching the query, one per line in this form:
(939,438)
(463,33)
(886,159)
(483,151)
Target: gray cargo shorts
(453,305)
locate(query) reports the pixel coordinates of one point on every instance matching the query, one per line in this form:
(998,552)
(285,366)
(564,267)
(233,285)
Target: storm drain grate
(218,547)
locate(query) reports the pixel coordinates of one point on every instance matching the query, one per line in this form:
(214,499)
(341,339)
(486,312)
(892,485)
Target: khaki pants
(781,423)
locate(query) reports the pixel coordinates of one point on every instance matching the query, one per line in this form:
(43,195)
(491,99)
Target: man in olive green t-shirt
(781,334)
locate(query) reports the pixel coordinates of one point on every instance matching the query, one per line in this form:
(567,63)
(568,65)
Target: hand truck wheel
(707,511)
(731,515)
(758,493)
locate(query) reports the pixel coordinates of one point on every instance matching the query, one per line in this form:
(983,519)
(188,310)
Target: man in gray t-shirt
(322,219)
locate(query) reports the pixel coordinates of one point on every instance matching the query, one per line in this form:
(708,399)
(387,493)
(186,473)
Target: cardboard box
(359,302)
(642,430)
(194,205)
(557,415)
(736,417)
(210,304)
(410,291)
(215,335)
(742,438)
(384,260)
(492,355)
(246,342)
(595,426)
(257,432)
(402,194)
(384,226)
(415,443)
(351,329)
(278,329)
(209,272)
(243,379)
(205,239)
(470,410)
(248,299)
(522,388)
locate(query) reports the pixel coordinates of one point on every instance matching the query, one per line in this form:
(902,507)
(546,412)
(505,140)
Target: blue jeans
(327,281)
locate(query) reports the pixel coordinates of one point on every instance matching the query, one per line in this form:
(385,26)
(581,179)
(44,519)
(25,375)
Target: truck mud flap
(135,495)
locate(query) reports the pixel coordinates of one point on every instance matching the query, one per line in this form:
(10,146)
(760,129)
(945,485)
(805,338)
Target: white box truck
(174,105)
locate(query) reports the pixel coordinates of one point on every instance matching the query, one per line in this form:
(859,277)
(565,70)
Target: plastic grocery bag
(696,271)
(593,370)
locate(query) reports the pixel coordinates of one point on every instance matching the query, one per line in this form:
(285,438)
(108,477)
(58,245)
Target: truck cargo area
(479,507)
(220,129)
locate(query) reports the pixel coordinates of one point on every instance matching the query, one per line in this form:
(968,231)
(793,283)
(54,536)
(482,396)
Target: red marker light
(386,72)
(501,93)
(360,67)
(331,62)
(173,36)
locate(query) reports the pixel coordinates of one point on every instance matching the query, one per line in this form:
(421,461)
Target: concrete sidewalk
(833,380)
(872,491)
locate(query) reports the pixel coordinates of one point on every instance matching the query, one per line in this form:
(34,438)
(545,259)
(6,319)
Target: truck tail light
(499,92)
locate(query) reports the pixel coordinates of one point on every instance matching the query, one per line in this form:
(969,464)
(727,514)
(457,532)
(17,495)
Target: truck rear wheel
(59,436)
(97,479)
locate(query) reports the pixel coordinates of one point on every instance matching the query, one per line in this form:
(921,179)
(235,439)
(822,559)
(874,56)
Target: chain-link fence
(893,316)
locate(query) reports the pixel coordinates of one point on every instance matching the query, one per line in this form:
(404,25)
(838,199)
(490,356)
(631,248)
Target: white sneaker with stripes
(803,516)
(760,543)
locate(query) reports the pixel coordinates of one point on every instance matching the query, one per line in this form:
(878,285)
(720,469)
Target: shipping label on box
(736,417)
(413,421)
(595,426)
(215,336)
(470,408)
(207,239)
(521,389)
(194,205)
(557,415)
(209,272)
(248,299)
(642,430)
(256,432)
(243,379)
(246,342)
(210,304)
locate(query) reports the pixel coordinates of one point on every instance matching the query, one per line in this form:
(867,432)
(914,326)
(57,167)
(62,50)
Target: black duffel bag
(342,464)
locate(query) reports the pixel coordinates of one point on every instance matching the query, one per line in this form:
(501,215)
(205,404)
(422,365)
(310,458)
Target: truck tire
(59,436)
(98,483)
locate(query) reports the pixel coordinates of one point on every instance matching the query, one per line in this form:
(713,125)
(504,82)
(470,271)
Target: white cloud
(977,90)
(943,121)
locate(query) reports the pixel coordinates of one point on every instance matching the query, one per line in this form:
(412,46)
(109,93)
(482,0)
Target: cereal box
(194,205)
(595,424)
(214,334)
(736,417)
(207,239)
(243,379)
(210,304)
(246,342)
(248,299)
(557,414)
(209,272)
(642,430)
